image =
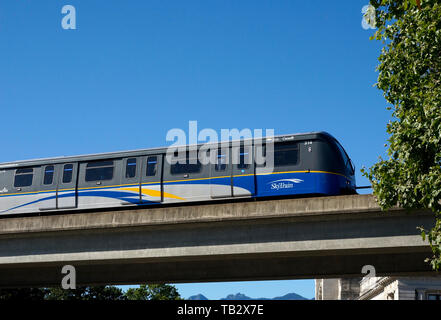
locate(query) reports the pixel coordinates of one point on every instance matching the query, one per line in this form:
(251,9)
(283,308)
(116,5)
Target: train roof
(139,152)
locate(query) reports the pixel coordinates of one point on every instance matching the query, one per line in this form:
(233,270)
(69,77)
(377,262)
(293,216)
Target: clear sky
(132,70)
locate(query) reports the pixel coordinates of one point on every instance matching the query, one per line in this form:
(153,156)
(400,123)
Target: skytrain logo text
(284,183)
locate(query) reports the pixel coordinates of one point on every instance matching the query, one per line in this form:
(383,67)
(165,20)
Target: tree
(28,294)
(101,293)
(153,292)
(410,78)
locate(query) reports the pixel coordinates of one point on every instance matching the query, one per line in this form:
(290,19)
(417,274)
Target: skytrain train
(301,164)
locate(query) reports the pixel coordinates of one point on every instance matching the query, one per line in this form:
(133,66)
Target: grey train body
(310,163)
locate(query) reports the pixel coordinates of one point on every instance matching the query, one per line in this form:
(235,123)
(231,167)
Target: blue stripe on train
(299,183)
(266,185)
(274,184)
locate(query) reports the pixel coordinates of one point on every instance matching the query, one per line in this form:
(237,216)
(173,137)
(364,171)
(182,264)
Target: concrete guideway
(318,237)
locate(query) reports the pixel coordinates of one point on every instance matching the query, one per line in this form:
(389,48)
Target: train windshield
(346,159)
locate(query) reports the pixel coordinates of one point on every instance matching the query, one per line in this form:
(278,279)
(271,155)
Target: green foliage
(153,292)
(23,294)
(99,293)
(410,77)
(95,293)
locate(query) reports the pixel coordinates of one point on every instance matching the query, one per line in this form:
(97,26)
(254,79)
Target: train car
(303,164)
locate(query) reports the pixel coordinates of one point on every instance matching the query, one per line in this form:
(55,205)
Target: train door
(100,183)
(67,185)
(243,170)
(151,179)
(131,180)
(26,190)
(49,185)
(185,177)
(220,174)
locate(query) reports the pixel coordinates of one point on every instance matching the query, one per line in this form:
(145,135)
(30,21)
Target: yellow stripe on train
(154,193)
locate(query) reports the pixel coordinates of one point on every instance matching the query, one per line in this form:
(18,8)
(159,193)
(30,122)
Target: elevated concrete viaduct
(322,237)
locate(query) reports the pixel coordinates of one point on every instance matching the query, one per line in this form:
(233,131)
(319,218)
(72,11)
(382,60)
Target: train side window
(285,154)
(187,165)
(152,163)
(23,177)
(131,168)
(348,163)
(67,173)
(182,168)
(48,175)
(99,171)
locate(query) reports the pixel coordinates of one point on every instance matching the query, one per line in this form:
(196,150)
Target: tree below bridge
(95,293)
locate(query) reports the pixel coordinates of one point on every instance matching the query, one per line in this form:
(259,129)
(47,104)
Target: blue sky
(132,70)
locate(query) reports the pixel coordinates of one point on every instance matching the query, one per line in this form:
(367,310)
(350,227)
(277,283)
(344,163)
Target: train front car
(305,164)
